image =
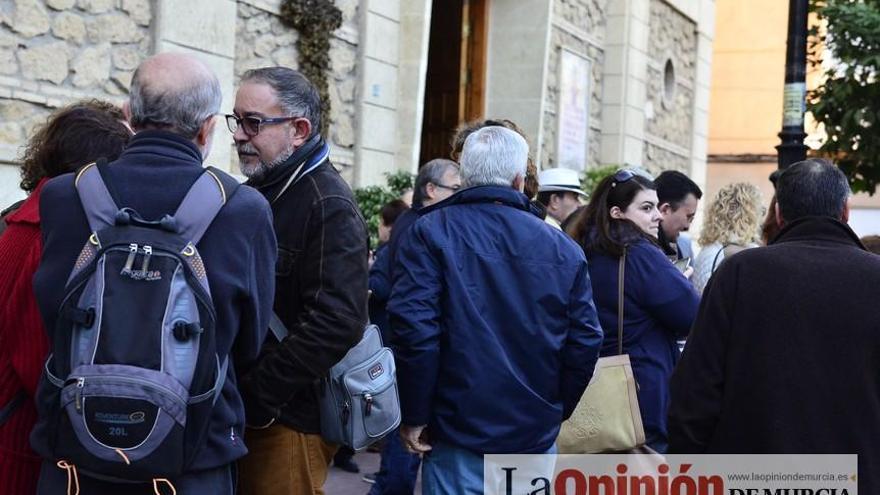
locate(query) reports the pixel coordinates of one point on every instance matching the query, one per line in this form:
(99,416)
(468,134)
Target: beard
(259,170)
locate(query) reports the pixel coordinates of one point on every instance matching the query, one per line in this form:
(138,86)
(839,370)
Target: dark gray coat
(784,356)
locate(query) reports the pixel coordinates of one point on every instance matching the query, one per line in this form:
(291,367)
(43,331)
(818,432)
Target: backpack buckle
(183,331)
(82,317)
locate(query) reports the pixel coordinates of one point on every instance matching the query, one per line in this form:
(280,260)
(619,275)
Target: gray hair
(430,173)
(813,187)
(493,156)
(297,95)
(182,111)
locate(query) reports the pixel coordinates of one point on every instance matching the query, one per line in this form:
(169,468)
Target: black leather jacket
(321,288)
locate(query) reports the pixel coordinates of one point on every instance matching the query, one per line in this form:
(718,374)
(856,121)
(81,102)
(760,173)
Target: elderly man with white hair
(495,330)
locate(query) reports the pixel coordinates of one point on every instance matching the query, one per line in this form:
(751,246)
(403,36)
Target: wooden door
(456,72)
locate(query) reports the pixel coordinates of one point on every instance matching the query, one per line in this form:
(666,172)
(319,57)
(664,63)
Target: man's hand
(413,440)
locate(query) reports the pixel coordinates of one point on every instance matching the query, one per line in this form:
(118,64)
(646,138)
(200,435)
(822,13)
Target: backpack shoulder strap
(202,203)
(95,197)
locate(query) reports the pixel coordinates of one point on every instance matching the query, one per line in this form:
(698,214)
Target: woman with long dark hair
(660,304)
(73,136)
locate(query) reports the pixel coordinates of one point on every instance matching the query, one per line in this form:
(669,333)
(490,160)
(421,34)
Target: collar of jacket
(29,211)
(278,176)
(824,229)
(163,143)
(506,196)
(668,247)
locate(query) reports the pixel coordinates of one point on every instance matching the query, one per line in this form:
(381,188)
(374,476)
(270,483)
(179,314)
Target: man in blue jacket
(492,313)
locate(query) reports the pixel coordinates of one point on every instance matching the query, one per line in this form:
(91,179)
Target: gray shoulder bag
(358,397)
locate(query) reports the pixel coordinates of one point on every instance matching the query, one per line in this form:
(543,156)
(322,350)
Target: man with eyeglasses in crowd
(437,180)
(321,278)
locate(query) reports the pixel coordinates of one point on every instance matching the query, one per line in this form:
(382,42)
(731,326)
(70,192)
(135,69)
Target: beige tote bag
(607,418)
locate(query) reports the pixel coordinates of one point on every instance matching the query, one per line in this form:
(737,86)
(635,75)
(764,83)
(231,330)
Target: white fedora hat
(560,179)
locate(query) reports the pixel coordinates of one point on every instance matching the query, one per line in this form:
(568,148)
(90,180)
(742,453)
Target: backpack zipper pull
(368,398)
(132,253)
(148,251)
(80,383)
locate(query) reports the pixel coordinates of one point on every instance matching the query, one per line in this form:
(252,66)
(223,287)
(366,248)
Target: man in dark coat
(153,174)
(321,278)
(783,354)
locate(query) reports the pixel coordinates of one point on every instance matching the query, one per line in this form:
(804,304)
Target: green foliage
(593,176)
(315,21)
(400,181)
(848,101)
(371,199)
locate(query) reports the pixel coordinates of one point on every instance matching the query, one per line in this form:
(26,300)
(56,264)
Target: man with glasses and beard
(321,278)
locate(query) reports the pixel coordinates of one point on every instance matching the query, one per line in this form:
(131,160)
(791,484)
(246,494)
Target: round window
(668,83)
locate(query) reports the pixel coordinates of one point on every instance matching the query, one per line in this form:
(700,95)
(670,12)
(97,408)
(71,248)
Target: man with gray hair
(321,278)
(492,315)
(782,357)
(171,108)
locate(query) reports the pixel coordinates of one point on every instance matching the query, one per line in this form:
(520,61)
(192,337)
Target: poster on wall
(574,111)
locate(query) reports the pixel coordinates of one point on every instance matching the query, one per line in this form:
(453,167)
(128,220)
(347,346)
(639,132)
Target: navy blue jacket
(660,305)
(496,332)
(380,291)
(152,175)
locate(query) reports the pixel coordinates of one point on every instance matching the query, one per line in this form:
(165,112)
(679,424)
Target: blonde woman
(733,223)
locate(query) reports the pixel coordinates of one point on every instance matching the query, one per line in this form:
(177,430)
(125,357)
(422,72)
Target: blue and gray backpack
(135,368)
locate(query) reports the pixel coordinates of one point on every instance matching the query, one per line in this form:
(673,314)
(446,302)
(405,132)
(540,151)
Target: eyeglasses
(252,125)
(449,188)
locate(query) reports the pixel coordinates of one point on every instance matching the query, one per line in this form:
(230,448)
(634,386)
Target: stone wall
(262,40)
(670,115)
(579,26)
(659,158)
(53,52)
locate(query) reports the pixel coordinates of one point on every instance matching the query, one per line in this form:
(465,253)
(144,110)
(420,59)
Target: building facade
(591,82)
(748,73)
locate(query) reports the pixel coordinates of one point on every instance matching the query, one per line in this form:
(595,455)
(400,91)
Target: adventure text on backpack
(135,369)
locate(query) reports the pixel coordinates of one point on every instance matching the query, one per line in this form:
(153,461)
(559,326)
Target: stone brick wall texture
(657,159)
(53,52)
(672,37)
(262,40)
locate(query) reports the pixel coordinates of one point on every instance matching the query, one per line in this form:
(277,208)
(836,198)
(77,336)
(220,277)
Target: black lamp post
(792,149)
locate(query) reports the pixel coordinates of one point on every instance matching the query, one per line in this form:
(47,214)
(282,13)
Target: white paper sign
(574,111)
